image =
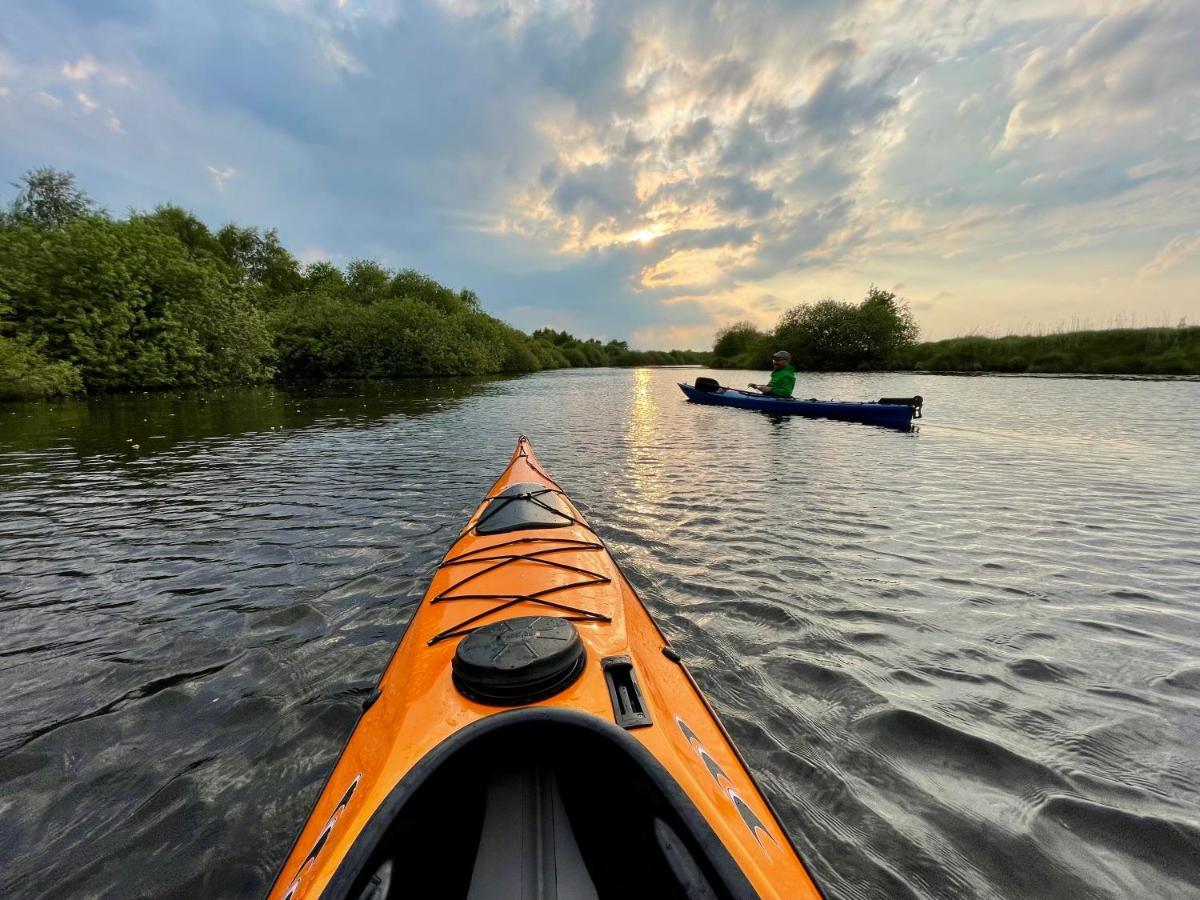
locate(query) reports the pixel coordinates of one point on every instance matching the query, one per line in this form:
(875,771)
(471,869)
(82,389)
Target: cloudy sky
(653,170)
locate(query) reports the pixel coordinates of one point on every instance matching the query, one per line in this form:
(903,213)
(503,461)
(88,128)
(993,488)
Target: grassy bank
(1126,351)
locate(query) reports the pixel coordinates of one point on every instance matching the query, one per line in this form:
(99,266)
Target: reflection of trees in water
(113,423)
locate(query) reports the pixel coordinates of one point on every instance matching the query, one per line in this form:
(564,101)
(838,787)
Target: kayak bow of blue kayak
(893,415)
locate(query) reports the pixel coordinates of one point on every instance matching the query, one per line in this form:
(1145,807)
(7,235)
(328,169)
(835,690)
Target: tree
(49,198)
(129,305)
(833,335)
(741,345)
(367,280)
(261,258)
(186,226)
(888,327)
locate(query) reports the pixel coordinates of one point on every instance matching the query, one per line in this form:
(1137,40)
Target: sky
(653,171)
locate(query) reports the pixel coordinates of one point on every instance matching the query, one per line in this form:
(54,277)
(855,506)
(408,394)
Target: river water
(963,661)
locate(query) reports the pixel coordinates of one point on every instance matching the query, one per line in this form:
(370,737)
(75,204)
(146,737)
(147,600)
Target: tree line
(92,303)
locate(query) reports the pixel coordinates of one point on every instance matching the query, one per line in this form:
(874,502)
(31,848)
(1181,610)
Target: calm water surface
(963,661)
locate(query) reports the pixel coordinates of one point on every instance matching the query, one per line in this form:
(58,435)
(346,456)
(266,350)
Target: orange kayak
(536,736)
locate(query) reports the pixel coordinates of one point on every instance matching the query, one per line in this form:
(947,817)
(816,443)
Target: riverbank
(1124,351)
(91,304)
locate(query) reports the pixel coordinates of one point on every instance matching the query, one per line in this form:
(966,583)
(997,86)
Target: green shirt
(782,383)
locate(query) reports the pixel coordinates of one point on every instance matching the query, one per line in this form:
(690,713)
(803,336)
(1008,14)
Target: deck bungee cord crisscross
(507,601)
(535,736)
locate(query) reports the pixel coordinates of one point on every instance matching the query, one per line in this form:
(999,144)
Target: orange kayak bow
(536,736)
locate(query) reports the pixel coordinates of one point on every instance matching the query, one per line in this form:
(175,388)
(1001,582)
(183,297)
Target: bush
(26,374)
(127,305)
(742,346)
(832,335)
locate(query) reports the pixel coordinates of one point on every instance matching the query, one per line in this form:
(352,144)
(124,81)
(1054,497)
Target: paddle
(712,385)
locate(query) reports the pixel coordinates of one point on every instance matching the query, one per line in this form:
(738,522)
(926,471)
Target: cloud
(1125,67)
(339,58)
(628,168)
(1177,251)
(594,193)
(689,138)
(220,176)
(80,70)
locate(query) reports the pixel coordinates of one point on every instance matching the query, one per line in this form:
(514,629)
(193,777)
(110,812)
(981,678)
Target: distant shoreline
(1116,351)
(1111,353)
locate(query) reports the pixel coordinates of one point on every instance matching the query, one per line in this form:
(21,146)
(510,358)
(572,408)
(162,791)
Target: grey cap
(781,354)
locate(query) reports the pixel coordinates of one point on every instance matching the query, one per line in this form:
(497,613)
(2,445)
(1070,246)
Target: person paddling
(783,376)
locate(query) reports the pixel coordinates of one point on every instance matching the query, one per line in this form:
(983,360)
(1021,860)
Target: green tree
(25,374)
(741,345)
(49,198)
(833,335)
(128,305)
(261,258)
(888,328)
(187,227)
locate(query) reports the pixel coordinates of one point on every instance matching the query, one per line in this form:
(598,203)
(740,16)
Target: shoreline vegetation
(879,334)
(93,304)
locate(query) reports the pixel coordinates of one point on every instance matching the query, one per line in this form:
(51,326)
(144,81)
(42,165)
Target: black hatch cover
(524,505)
(520,660)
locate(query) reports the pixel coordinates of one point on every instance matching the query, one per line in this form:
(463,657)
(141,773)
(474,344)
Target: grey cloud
(727,76)
(746,148)
(822,174)
(589,70)
(731,194)
(690,137)
(632,147)
(793,239)
(1110,36)
(840,103)
(836,52)
(604,190)
(705,239)
(740,195)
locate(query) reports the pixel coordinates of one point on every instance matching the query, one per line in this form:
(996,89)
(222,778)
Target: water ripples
(963,661)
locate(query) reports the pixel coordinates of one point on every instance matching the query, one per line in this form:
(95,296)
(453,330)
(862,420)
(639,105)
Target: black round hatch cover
(519,660)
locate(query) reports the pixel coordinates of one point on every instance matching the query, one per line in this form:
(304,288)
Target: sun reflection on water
(643,439)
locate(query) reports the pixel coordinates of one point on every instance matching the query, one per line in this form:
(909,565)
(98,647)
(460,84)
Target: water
(963,661)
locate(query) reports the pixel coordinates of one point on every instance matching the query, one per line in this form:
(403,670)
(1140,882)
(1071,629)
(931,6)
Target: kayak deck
(623,760)
(892,415)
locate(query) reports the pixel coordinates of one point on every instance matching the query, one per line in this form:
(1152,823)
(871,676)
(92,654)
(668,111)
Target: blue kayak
(894,413)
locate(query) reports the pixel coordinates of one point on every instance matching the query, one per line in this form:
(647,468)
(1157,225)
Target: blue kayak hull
(893,415)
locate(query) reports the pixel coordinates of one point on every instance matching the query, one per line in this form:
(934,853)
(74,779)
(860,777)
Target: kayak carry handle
(913,403)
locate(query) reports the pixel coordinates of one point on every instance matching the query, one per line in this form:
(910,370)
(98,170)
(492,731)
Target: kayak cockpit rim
(609,746)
